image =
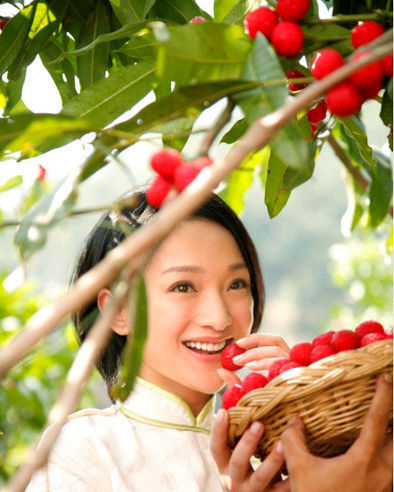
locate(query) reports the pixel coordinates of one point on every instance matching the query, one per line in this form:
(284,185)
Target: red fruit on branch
(3,23)
(369,326)
(387,63)
(196,20)
(287,38)
(292,10)
(231,396)
(365,33)
(253,381)
(301,353)
(344,99)
(344,340)
(275,368)
(369,75)
(295,74)
(323,339)
(165,162)
(317,113)
(184,175)
(325,62)
(320,352)
(227,354)
(261,20)
(370,92)
(158,191)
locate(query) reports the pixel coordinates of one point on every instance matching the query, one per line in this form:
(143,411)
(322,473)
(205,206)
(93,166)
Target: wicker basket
(332,396)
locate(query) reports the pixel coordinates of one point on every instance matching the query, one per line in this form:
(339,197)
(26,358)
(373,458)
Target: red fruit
(370,92)
(365,33)
(370,326)
(318,113)
(227,354)
(3,23)
(157,192)
(261,20)
(231,396)
(344,99)
(387,63)
(184,175)
(388,332)
(367,76)
(344,340)
(320,352)
(41,173)
(166,162)
(325,62)
(196,20)
(290,365)
(313,130)
(295,74)
(202,162)
(287,38)
(323,339)
(292,10)
(371,338)
(253,381)
(301,353)
(275,367)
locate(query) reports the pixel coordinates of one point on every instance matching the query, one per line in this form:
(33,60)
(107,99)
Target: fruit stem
(343,18)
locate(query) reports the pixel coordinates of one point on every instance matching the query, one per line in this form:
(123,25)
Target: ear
(121,323)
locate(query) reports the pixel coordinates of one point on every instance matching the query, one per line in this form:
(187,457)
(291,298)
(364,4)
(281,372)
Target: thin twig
(223,119)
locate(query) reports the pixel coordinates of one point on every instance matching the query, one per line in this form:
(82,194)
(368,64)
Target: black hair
(113,228)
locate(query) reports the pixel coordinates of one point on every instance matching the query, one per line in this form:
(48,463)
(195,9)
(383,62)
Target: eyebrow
(197,269)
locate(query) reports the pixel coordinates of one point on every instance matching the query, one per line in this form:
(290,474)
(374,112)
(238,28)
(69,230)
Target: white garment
(152,442)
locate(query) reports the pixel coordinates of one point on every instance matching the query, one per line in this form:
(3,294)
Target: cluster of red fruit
(173,173)
(280,26)
(301,355)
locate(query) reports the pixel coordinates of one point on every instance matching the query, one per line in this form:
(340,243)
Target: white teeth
(207,347)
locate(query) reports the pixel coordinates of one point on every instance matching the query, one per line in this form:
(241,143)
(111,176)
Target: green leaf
(381,190)
(131,10)
(108,98)
(355,205)
(133,351)
(235,132)
(200,52)
(186,101)
(222,8)
(11,183)
(321,35)
(14,92)
(93,65)
(356,131)
(140,46)
(386,110)
(237,14)
(177,10)
(241,179)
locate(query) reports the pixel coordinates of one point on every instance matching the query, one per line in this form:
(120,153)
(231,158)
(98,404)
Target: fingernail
(292,420)
(256,427)
(238,358)
(251,365)
(388,377)
(279,447)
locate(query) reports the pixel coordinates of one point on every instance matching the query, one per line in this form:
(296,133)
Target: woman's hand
(262,349)
(365,467)
(235,470)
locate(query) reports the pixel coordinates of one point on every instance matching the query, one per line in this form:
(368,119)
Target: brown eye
(182,287)
(239,283)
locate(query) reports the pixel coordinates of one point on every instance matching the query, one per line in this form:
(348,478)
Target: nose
(213,312)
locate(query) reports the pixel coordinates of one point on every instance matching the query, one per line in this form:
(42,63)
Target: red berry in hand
(157,192)
(231,396)
(261,20)
(295,74)
(323,339)
(367,76)
(290,365)
(320,352)
(292,10)
(387,63)
(287,38)
(371,338)
(301,353)
(344,99)
(3,23)
(275,368)
(184,175)
(318,113)
(344,340)
(365,33)
(325,62)
(253,381)
(369,326)
(196,20)
(227,354)
(166,162)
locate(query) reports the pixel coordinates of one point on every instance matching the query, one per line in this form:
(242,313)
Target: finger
(229,377)
(259,354)
(262,339)
(219,446)
(377,419)
(386,452)
(243,451)
(283,486)
(294,445)
(268,469)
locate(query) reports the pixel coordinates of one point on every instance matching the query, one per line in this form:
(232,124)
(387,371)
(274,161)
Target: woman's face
(199,300)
